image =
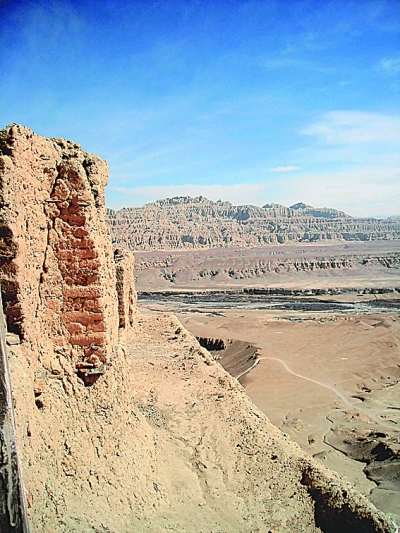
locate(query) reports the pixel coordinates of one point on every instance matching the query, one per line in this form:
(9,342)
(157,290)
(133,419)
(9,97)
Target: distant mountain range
(183,222)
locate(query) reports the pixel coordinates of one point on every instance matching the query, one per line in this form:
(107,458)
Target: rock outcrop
(262,267)
(184,222)
(237,357)
(163,439)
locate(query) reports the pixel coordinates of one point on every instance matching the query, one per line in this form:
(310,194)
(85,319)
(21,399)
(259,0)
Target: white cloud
(391,65)
(285,169)
(363,192)
(355,127)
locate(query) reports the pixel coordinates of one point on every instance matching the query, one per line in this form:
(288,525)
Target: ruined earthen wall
(127,298)
(56,261)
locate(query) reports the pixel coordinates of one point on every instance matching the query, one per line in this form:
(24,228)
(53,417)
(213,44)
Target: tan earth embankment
(302,266)
(167,440)
(237,357)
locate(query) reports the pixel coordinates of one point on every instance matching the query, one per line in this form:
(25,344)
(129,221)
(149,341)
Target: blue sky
(248,101)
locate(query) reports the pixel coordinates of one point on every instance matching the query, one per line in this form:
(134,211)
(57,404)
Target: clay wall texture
(127,298)
(57,266)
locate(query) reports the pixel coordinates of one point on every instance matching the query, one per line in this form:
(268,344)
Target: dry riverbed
(331,381)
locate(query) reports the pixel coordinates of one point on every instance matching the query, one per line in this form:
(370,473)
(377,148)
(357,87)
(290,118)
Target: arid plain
(320,355)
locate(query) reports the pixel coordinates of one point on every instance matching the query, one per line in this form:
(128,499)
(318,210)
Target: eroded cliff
(184,222)
(163,438)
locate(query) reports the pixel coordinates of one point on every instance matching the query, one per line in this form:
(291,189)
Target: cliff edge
(124,422)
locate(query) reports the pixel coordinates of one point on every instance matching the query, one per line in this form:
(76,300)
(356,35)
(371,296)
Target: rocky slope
(184,222)
(124,422)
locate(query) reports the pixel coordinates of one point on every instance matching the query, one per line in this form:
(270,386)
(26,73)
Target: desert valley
(200,266)
(126,422)
(310,328)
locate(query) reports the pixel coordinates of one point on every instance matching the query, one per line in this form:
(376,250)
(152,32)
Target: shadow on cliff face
(236,357)
(333,513)
(9,287)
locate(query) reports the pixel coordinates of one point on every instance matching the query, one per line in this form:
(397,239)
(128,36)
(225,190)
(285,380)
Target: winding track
(329,387)
(248,370)
(333,389)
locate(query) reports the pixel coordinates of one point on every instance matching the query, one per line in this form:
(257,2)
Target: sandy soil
(324,380)
(166,440)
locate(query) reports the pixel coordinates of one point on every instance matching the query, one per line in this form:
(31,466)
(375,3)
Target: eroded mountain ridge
(185,223)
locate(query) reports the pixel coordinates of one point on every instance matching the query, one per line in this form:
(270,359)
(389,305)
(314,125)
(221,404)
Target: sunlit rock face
(194,223)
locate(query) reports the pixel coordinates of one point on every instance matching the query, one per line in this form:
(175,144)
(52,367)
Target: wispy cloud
(391,65)
(363,192)
(287,62)
(355,127)
(285,169)
(283,61)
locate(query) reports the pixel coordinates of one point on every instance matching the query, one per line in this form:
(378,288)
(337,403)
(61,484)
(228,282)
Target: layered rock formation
(359,264)
(184,222)
(163,439)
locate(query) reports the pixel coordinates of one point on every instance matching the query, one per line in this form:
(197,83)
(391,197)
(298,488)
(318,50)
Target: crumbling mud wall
(57,268)
(127,297)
